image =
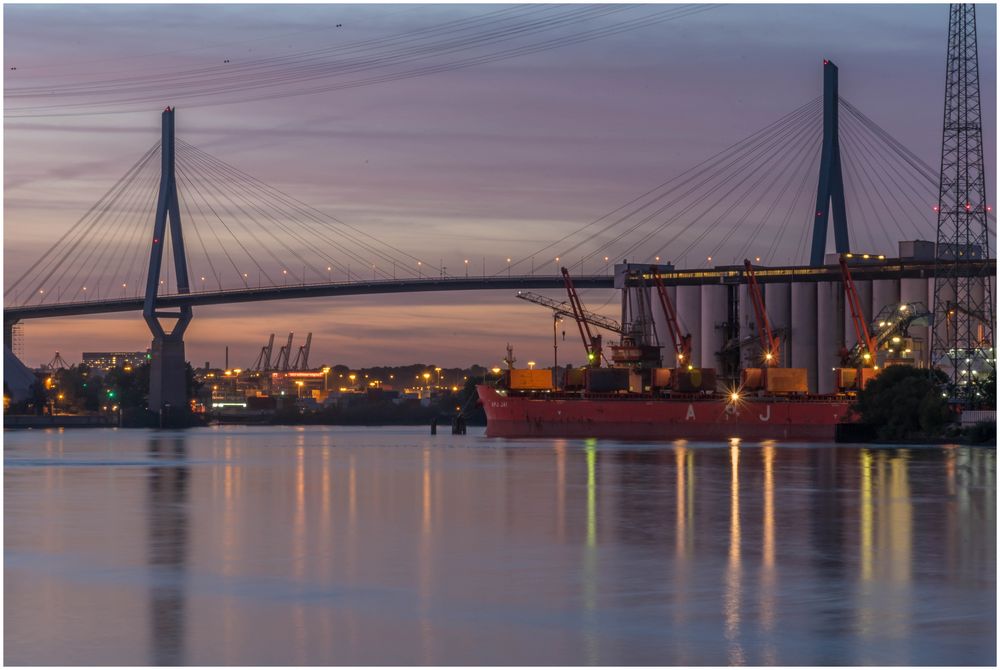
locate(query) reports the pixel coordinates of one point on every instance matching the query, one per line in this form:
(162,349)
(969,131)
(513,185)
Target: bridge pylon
(831,178)
(167,375)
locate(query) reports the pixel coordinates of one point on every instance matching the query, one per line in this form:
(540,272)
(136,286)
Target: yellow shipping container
(660,377)
(751,379)
(787,380)
(867,374)
(846,378)
(531,380)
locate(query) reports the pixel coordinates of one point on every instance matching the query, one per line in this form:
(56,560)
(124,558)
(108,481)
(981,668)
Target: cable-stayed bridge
(770,195)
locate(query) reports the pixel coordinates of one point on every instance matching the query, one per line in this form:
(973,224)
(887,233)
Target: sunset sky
(483,163)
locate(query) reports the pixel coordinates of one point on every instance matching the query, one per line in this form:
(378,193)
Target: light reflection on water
(389,546)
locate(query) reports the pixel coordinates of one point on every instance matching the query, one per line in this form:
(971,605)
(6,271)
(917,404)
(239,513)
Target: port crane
(281,362)
(681,343)
(302,357)
(867,343)
(769,341)
(591,342)
(263,362)
(564,309)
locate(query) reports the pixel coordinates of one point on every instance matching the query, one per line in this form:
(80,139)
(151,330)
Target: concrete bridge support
(167,375)
(8,334)
(167,383)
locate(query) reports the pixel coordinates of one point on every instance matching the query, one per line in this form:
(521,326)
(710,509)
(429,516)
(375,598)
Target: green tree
(904,402)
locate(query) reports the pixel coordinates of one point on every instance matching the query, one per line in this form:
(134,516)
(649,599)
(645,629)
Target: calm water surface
(249,545)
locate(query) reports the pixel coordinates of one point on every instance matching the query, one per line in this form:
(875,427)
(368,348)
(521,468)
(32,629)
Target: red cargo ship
(645,417)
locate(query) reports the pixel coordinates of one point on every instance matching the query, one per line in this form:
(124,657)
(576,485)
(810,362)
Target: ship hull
(661,418)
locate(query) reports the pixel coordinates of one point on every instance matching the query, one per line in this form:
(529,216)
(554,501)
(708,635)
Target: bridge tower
(167,375)
(831,179)
(963,306)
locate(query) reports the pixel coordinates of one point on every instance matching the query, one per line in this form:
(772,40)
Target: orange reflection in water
(732,604)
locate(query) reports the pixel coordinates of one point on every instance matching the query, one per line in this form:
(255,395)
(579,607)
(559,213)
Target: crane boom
(263,362)
(682,343)
(564,309)
(591,343)
(302,356)
(767,337)
(283,354)
(860,325)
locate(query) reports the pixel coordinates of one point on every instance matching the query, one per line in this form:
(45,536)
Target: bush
(904,402)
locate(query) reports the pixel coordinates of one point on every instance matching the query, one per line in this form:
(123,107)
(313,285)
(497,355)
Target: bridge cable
(239,191)
(292,77)
(725,175)
(80,227)
(859,150)
(105,241)
(49,268)
(795,165)
(213,184)
(748,153)
(751,169)
(321,218)
(808,177)
(195,192)
(696,170)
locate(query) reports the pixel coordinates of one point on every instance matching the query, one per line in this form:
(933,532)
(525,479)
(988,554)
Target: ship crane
(867,343)
(564,309)
(681,343)
(768,340)
(591,342)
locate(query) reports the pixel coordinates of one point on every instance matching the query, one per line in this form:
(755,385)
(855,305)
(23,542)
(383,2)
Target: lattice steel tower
(963,306)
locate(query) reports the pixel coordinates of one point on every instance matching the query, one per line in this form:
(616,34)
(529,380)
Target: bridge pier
(8,333)
(167,375)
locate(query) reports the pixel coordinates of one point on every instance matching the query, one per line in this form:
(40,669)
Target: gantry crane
(263,362)
(302,357)
(681,343)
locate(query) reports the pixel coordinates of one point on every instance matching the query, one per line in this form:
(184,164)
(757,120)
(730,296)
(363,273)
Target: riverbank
(26,421)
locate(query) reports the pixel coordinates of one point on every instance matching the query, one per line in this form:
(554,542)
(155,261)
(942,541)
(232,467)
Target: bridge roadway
(881,269)
(293,291)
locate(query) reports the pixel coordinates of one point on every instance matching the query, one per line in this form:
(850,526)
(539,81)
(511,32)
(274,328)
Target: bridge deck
(889,269)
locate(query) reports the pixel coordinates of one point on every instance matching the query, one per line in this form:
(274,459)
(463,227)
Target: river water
(260,545)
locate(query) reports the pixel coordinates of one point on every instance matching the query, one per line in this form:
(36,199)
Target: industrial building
(806,306)
(109,360)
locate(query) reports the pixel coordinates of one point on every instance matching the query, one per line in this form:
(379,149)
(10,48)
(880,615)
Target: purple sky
(494,160)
